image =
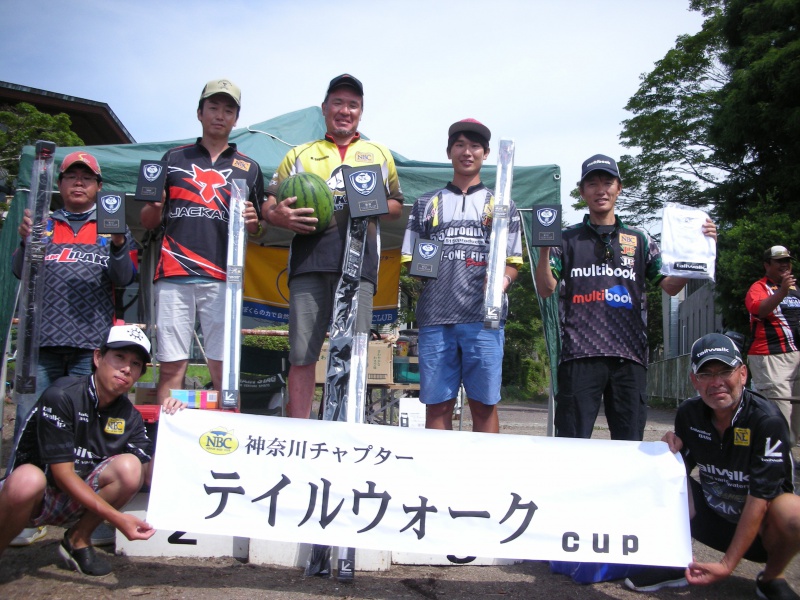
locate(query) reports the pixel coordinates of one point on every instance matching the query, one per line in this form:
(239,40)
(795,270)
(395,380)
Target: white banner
(411,490)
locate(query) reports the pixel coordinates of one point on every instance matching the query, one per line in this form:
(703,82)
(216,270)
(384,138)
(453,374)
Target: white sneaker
(29,535)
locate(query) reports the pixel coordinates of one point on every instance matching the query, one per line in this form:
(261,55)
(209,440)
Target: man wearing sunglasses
(603,266)
(744,504)
(774,354)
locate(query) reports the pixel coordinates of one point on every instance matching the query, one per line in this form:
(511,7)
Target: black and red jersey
(67,425)
(196,211)
(80,272)
(753,456)
(777,332)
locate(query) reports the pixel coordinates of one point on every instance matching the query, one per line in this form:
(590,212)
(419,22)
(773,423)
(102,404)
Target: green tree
(672,112)
(22,125)
(717,126)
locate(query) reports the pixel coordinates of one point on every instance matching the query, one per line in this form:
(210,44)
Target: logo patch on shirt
(741,437)
(365,157)
(628,250)
(241,164)
(627,239)
(115,426)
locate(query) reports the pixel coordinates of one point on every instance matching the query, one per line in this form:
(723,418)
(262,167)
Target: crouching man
(82,455)
(744,504)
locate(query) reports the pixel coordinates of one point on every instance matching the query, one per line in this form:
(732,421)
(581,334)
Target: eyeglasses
(82,177)
(707,376)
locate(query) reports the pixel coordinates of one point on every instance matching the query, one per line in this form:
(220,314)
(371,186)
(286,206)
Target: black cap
(346,79)
(715,346)
(600,162)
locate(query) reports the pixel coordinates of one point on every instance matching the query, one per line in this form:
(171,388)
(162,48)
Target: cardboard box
(144,393)
(379,363)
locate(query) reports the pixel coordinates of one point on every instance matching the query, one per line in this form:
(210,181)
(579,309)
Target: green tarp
(267,143)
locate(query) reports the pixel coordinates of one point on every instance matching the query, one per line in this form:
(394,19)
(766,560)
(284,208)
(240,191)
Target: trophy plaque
(110,212)
(546,227)
(425,258)
(366,194)
(150,185)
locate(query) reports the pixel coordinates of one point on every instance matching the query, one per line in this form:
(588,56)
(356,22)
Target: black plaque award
(150,185)
(546,228)
(110,212)
(425,259)
(366,194)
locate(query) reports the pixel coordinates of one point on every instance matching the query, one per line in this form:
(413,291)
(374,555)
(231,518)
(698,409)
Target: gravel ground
(37,572)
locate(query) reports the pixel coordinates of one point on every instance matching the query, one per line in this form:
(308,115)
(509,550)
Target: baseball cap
(124,336)
(599,162)
(470,125)
(222,86)
(715,346)
(80,157)
(346,79)
(776,252)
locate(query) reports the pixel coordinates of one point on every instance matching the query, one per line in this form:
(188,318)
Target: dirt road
(37,572)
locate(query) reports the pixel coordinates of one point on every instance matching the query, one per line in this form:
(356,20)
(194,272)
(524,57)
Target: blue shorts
(450,354)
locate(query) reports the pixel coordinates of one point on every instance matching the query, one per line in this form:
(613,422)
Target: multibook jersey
(462,222)
(603,305)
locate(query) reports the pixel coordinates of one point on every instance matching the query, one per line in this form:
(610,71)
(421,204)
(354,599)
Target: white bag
(685,250)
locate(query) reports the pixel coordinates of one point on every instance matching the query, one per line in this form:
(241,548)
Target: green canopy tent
(267,143)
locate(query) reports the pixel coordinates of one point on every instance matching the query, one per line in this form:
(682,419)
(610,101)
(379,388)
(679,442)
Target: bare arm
(755,509)
(150,215)
(68,481)
(545,281)
(510,276)
(281,214)
(395,210)
(770,303)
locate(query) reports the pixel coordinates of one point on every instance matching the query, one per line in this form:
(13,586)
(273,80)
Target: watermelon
(311,191)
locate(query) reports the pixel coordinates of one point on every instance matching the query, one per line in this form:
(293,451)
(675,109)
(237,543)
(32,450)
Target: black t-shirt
(67,426)
(753,457)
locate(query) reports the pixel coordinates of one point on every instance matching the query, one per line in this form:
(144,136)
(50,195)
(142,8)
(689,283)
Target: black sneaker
(652,579)
(84,560)
(777,589)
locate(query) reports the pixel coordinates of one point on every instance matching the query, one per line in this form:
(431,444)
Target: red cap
(80,156)
(470,125)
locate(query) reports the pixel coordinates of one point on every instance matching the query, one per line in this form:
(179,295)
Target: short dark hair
(203,101)
(338,87)
(471,136)
(599,172)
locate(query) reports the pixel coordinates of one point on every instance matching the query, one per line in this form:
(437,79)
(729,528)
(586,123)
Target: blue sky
(553,76)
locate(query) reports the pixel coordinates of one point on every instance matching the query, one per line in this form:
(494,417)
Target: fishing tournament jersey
(323,252)
(80,272)
(753,457)
(777,332)
(196,211)
(463,223)
(603,304)
(67,426)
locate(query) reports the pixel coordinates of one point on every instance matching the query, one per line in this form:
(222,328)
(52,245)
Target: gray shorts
(310,307)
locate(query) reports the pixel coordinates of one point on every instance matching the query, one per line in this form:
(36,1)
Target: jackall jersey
(66,426)
(777,333)
(463,223)
(753,457)
(79,278)
(196,212)
(323,252)
(603,305)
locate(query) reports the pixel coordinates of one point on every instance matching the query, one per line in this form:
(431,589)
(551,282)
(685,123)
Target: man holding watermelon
(454,345)
(191,270)
(315,263)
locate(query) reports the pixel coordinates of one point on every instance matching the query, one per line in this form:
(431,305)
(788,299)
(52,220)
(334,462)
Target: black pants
(619,383)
